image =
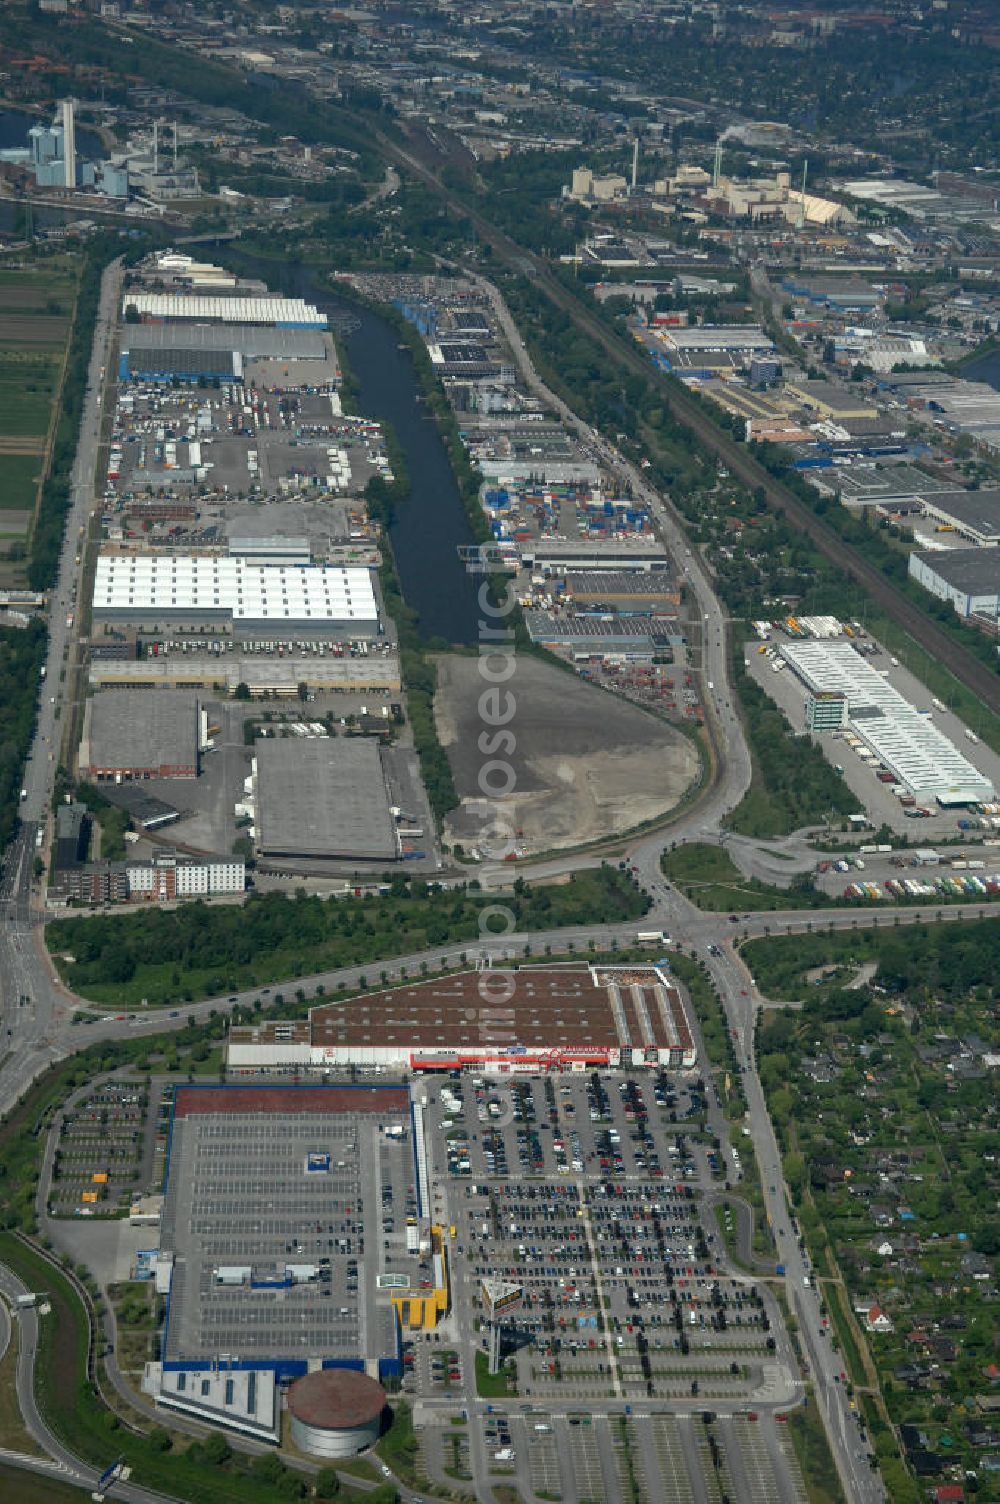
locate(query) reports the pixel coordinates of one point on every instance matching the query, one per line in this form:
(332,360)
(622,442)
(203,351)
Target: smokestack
(635,164)
(69,144)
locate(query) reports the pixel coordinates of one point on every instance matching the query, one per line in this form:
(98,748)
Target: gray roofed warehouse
(323,798)
(141,734)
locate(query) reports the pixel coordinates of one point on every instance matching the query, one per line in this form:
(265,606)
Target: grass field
(813,1453)
(13,1435)
(28,383)
(38,330)
(19,481)
(36,308)
(48,287)
(710,878)
(29,1488)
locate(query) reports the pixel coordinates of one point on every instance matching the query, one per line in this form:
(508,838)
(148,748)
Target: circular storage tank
(335,1412)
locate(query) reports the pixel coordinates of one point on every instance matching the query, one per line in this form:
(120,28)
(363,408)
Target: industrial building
(167,308)
(744,339)
(920,756)
(705,351)
(247,1401)
(548,1018)
(270,1261)
(973,515)
(128,736)
(264,674)
(636,590)
(335,1412)
(892,487)
(231,596)
(562,555)
(952,403)
(967,577)
(830,401)
(629,636)
(323,799)
(255,354)
(845,293)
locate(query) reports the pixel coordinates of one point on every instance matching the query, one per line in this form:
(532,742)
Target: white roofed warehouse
(229,595)
(285,313)
(907,742)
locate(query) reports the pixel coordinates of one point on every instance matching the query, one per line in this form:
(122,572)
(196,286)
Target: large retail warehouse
(548,1018)
(268,1251)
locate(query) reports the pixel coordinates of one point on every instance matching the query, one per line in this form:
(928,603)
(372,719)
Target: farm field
(18,482)
(36,319)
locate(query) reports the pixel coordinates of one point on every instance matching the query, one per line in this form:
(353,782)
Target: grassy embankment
(709,877)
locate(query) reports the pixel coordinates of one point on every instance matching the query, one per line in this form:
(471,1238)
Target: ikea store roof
(291,313)
(254,592)
(909,743)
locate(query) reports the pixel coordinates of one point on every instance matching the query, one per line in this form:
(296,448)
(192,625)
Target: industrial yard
(586,765)
(914,765)
(237,567)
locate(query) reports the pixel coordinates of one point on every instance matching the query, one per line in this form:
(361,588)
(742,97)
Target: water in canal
(431,522)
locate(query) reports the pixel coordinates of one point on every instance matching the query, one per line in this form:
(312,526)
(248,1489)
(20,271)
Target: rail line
(975,675)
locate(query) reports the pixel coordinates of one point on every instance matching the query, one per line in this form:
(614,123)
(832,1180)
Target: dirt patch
(584,765)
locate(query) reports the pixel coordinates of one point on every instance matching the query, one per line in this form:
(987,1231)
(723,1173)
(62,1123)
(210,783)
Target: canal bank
(429,526)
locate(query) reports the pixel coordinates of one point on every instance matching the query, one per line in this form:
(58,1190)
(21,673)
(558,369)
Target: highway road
(59,1462)
(30,1029)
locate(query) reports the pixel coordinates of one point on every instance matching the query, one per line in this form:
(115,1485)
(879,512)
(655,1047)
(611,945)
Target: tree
(386,1493)
(216,1448)
(327,1483)
(242,691)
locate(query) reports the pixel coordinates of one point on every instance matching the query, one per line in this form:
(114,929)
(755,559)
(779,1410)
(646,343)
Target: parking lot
(674,1459)
(585,1193)
(104,1154)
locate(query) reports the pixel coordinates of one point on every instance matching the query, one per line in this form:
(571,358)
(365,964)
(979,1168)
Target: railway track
(975,675)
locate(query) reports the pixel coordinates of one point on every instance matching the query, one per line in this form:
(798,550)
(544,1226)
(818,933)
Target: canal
(430,523)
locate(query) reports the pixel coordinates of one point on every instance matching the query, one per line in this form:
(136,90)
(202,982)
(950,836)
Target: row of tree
(198,948)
